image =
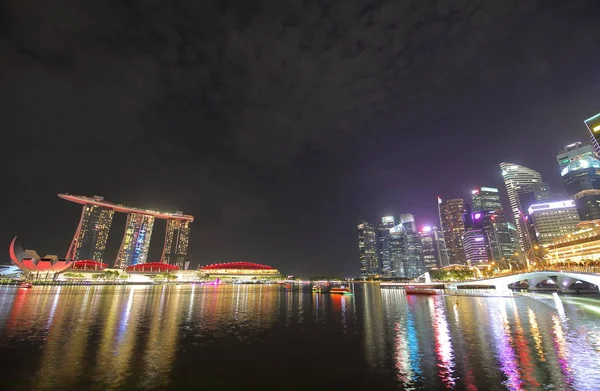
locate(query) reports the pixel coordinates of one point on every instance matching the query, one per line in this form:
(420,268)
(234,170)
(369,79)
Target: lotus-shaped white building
(29,260)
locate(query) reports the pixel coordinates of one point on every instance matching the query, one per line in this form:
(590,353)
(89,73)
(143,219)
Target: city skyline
(278,126)
(476,230)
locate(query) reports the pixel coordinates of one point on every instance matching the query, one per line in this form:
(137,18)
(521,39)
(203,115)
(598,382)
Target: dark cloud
(242,112)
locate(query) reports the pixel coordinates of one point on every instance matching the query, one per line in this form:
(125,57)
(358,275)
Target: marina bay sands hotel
(89,241)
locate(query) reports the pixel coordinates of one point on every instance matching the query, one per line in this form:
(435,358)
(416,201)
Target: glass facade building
(367,250)
(383,235)
(588,204)
(405,249)
(136,240)
(453,227)
(525,187)
(580,171)
(89,241)
(177,237)
(434,250)
(593,125)
(485,198)
(488,215)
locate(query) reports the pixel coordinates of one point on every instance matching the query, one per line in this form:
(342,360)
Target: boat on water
(411,290)
(341,291)
(26,285)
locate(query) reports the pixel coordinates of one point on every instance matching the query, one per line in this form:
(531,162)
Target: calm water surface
(233,337)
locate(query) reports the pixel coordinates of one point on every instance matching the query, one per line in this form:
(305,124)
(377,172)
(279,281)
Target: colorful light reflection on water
(191,337)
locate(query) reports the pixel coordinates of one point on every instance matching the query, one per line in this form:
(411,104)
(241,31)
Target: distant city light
(489,189)
(426,229)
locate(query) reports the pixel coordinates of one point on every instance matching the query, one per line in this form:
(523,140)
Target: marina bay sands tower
(89,241)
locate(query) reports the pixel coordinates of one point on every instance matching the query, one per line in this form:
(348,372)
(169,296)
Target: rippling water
(263,337)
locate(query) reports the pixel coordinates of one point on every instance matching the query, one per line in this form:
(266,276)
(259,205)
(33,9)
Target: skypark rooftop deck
(84,200)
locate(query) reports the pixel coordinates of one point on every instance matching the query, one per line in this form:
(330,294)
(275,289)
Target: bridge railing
(593,268)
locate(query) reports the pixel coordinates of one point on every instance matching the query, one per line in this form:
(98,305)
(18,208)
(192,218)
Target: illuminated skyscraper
(367,250)
(177,237)
(383,235)
(572,153)
(435,254)
(405,249)
(488,215)
(593,124)
(525,188)
(136,240)
(474,246)
(92,232)
(453,227)
(485,198)
(89,241)
(553,220)
(501,236)
(580,170)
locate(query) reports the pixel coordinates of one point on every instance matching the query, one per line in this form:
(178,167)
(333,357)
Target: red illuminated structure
(153,267)
(29,260)
(91,234)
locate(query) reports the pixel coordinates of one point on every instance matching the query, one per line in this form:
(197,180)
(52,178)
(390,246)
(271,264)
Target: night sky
(278,124)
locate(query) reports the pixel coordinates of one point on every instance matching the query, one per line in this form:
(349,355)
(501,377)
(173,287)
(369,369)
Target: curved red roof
(152,267)
(237,265)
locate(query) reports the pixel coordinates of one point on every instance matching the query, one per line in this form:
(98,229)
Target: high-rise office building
(485,198)
(588,204)
(593,125)
(474,246)
(405,249)
(441,251)
(572,153)
(488,215)
(89,241)
(136,240)
(367,250)
(177,237)
(525,187)
(383,253)
(580,170)
(553,220)
(427,246)
(501,236)
(433,246)
(453,227)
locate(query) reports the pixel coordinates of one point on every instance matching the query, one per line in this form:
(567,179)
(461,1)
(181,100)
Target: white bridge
(567,282)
